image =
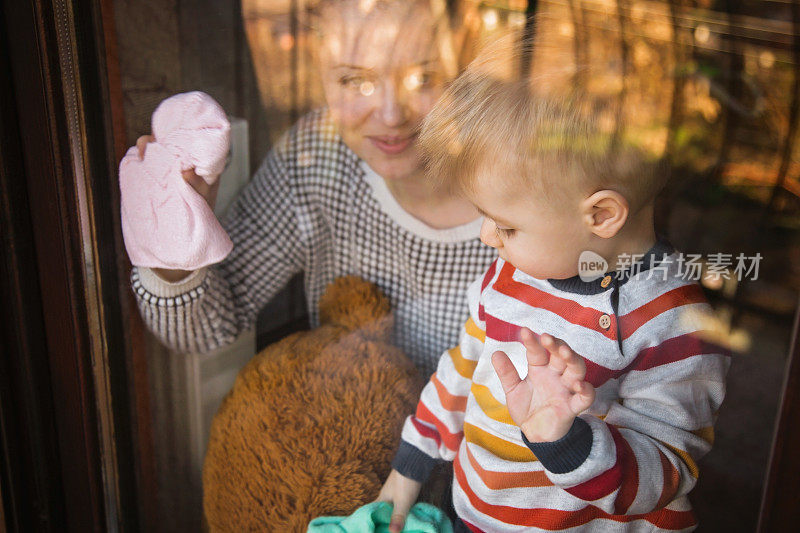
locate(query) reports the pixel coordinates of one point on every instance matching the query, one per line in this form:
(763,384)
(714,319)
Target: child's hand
(554,392)
(402,492)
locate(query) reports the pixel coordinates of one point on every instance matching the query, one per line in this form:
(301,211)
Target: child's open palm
(554,392)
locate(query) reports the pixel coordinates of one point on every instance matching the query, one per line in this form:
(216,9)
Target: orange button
(605,321)
(605,282)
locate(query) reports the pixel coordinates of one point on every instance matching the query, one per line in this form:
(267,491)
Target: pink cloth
(165,222)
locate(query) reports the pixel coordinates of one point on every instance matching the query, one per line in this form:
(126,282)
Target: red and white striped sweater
(629,461)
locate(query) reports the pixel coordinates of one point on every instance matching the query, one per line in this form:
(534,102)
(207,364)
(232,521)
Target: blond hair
(529,128)
(455,34)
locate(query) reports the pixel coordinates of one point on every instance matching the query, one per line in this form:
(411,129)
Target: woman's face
(382,72)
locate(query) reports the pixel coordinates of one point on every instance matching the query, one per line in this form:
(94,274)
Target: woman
(343,192)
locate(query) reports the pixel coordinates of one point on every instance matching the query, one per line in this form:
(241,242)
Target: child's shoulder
(663,282)
(664,305)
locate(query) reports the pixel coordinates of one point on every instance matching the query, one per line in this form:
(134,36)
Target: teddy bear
(313,421)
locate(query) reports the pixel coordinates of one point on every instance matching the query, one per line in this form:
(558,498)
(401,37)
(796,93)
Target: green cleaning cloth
(375,517)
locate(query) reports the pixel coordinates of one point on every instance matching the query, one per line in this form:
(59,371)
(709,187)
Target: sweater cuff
(413,463)
(567,453)
(155,285)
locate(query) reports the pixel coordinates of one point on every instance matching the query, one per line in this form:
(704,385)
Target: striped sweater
(629,461)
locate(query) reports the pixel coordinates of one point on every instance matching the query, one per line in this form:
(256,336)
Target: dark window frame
(73,397)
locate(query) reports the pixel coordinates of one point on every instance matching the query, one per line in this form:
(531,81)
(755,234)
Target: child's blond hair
(531,129)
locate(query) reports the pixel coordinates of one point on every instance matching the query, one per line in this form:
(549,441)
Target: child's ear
(605,212)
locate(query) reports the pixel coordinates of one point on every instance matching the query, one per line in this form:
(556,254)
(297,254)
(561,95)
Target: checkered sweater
(314,207)
(628,462)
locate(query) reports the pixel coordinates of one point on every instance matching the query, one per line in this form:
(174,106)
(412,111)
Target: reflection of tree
(689,83)
(786,152)
(623,59)
(528,34)
(679,47)
(579,44)
(730,118)
(683,81)
(280,43)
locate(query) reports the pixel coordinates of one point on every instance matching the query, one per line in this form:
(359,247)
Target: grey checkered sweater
(315,207)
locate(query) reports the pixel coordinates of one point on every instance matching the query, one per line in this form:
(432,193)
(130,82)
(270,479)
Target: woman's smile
(392,144)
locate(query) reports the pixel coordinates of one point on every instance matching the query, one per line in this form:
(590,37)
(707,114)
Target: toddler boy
(570,403)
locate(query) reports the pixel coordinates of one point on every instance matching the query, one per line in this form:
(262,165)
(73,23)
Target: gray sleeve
(215,304)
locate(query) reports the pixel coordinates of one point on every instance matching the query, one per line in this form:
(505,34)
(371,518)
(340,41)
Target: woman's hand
(208,192)
(545,403)
(401,492)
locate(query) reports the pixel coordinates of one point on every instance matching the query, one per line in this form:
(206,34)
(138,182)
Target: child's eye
(505,232)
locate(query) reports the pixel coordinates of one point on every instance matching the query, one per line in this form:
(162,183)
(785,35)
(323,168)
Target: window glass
(708,88)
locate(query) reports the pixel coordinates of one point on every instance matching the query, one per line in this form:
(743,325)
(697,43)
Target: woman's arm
(213,305)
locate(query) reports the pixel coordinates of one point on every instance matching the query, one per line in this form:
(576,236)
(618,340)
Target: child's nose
(489,234)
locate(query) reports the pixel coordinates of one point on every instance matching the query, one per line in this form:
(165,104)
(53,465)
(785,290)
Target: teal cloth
(375,517)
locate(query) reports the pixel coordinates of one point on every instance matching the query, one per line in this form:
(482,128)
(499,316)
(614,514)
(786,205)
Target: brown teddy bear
(312,422)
